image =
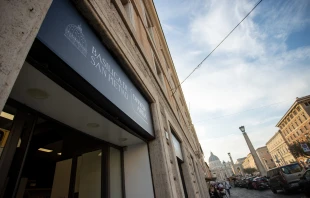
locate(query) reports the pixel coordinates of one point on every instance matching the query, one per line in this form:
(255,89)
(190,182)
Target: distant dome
(213,158)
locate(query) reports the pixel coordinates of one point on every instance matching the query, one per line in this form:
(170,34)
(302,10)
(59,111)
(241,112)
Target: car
(237,183)
(304,183)
(285,177)
(307,163)
(249,183)
(260,183)
(243,183)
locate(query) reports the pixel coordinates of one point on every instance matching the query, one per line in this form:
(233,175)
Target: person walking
(227,186)
(213,192)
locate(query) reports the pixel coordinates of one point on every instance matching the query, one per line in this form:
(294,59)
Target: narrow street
(244,193)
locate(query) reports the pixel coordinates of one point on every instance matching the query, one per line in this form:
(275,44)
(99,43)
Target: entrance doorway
(51,159)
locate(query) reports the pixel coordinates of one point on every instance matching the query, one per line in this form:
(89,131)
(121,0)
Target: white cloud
(252,68)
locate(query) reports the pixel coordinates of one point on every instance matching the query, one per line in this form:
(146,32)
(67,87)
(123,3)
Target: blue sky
(251,79)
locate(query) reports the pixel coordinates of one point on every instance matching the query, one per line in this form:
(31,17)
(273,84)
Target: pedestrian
(213,192)
(227,186)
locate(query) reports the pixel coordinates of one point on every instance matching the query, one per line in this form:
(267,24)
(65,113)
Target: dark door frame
(16,131)
(22,128)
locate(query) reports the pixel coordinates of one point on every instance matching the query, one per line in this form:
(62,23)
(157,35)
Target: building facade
(249,162)
(279,151)
(220,170)
(239,167)
(295,124)
(90,104)
(265,157)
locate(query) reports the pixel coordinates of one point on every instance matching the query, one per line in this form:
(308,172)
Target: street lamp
(242,129)
(232,163)
(257,161)
(224,163)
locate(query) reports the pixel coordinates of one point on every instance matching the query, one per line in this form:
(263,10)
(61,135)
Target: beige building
(249,162)
(238,166)
(279,151)
(91,104)
(295,124)
(265,157)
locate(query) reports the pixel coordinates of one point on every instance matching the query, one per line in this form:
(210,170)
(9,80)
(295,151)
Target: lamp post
(282,157)
(277,160)
(257,161)
(224,163)
(232,163)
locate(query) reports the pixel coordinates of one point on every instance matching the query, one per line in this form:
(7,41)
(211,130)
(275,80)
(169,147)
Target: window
(130,12)
(296,124)
(305,127)
(307,104)
(293,126)
(301,130)
(144,17)
(271,160)
(298,108)
(288,119)
(291,169)
(158,71)
(291,116)
(295,113)
(150,28)
(299,119)
(304,116)
(294,135)
(307,175)
(297,133)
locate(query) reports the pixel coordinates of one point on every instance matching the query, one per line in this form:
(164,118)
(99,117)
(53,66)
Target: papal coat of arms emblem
(75,35)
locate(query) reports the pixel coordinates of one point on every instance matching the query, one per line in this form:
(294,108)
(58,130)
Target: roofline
(261,147)
(297,101)
(278,132)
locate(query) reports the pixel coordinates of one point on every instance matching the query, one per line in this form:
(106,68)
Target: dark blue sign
(69,36)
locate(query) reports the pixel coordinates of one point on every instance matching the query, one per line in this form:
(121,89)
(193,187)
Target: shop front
(75,124)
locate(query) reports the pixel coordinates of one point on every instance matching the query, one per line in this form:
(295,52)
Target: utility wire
(213,118)
(216,47)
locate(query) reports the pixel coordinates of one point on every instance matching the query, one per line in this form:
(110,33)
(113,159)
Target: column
(257,161)
(20,21)
(232,163)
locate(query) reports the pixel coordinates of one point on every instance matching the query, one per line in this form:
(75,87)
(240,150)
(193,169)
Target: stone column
(232,163)
(20,21)
(257,161)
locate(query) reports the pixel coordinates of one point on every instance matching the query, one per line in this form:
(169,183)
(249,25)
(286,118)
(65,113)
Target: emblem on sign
(75,35)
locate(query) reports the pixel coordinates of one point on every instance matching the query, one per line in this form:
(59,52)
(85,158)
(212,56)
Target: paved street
(244,193)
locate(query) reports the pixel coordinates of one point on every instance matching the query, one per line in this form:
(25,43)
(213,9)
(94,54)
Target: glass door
(89,175)
(16,129)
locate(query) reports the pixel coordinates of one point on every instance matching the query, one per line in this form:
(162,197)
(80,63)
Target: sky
(251,79)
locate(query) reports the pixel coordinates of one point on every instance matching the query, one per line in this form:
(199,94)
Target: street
(244,193)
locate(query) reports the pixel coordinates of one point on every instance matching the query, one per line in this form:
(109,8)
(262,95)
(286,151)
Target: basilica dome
(213,158)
